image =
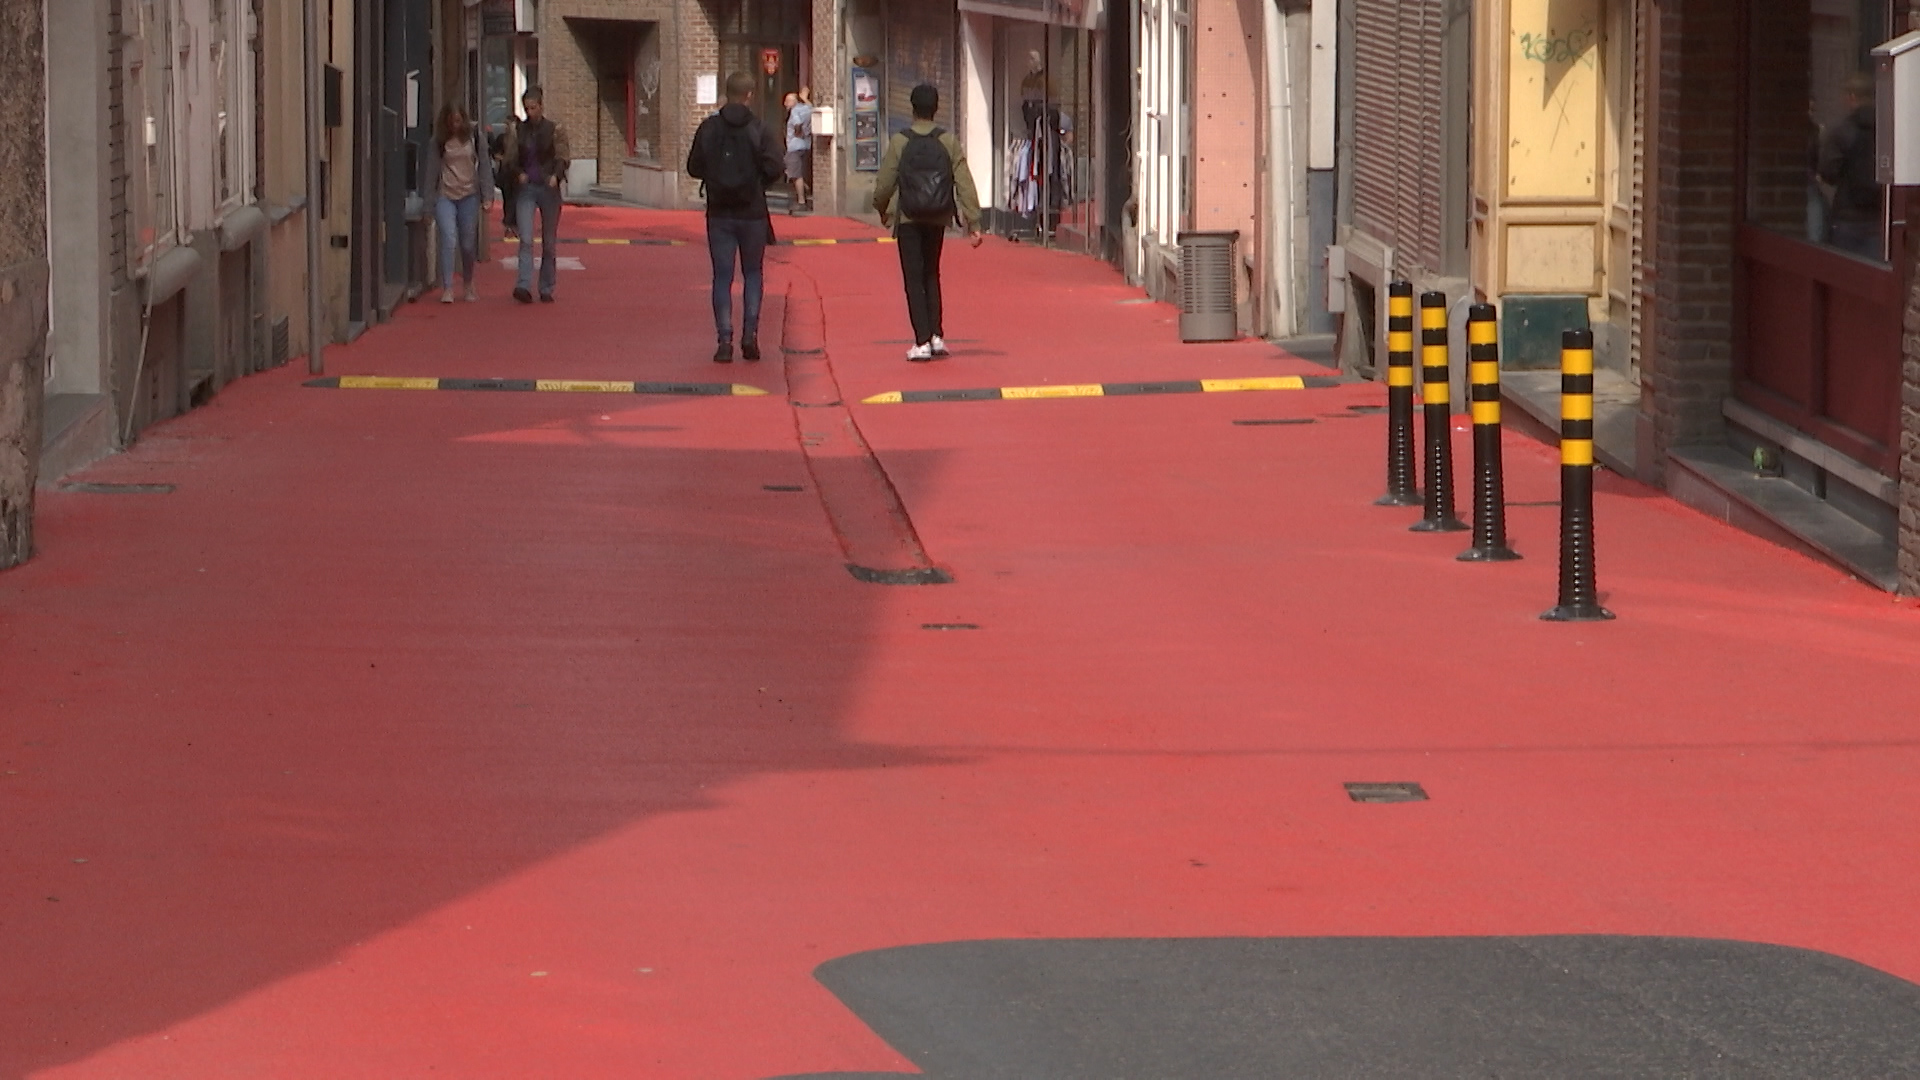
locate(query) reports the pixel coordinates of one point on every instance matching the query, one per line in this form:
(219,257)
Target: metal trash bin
(1207,308)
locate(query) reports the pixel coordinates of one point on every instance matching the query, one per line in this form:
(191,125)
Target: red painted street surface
(530,734)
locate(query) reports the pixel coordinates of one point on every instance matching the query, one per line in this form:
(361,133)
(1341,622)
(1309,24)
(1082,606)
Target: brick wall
(1688,370)
(825,76)
(1779,132)
(699,51)
(570,77)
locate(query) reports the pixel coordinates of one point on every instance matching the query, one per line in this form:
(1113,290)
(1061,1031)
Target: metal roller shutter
(1399,100)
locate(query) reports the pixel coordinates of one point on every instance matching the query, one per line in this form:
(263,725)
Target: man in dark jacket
(537,156)
(736,157)
(1846,162)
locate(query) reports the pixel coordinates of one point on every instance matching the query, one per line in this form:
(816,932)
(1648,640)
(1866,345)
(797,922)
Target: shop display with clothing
(1040,170)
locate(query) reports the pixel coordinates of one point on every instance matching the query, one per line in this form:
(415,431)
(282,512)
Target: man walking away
(1847,162)
(537,154)
(735,157)
(799,147)
(924,184)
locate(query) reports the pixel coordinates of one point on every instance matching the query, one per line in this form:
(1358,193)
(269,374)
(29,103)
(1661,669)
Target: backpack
(733,178)
(926,179)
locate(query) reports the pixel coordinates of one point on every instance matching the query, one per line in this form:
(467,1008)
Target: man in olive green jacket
(920,243)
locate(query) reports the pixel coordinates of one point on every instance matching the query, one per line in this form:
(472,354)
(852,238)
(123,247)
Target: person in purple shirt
(537,153)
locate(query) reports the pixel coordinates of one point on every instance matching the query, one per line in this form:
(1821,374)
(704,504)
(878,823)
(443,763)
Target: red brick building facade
(1781,388)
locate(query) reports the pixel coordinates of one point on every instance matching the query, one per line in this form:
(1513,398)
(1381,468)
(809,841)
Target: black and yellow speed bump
(544,386)
(647,241)
(1087,390)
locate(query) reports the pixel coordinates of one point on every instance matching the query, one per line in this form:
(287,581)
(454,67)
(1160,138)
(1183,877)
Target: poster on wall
(866,121)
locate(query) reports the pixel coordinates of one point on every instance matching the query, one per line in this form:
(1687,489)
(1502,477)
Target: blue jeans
(547,200)
(748,238)
(459,225)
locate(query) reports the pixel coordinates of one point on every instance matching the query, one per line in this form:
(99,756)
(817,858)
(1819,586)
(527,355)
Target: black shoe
(750,349)
(523,296)
(723,354)
(546,298)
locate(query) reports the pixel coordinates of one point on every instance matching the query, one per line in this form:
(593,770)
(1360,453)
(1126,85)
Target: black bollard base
(1492,554)
(1577,613)
(1444,525)
(1390,499)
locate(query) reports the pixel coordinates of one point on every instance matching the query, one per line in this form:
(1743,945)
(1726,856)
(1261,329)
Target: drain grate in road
(119,489)
(781,487)
(1273,423)
(949,626)
(1366,409)
(1387,793)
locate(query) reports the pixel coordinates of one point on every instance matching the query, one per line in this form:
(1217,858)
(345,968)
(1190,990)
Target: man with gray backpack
(924,185)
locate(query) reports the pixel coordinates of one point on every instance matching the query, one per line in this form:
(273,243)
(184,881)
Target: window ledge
(169,273)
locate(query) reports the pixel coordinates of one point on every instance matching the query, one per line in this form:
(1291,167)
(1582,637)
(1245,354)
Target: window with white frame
(151,187)
(230,65)
(1166,120)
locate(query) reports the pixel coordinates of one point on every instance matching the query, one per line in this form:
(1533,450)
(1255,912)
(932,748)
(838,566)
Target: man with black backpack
(735,157)
(923,186)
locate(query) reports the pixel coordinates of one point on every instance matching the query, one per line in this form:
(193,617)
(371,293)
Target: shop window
(496,66)
(151,183)
(1810,124)
(646,92)
(1046,117)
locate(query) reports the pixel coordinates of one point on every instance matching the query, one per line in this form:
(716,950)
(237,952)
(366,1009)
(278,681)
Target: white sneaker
(446,296)
(473,295)
(920,352)
(939,346)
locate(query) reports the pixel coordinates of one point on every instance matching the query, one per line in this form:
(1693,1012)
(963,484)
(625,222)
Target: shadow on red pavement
(375,653)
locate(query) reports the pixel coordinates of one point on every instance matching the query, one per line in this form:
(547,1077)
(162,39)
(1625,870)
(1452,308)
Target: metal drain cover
(1387,793)
(119,489)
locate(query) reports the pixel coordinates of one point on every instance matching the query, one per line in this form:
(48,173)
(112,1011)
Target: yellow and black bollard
(1489,482)
(1579,597)
(1401,465)
(1435,389)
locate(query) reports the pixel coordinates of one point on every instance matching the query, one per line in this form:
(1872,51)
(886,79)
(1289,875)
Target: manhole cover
(949,626)
(1387,793)
(119,489)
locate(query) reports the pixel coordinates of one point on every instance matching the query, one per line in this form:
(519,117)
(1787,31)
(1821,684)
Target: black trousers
(920,265)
